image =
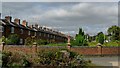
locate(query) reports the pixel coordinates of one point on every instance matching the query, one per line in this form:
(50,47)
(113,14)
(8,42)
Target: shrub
(60,58)
(41,42)
(12,39)
(14,59)
(29,41)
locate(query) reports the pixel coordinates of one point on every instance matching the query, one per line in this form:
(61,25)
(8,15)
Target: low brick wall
(96,50)
(85,50)
(80,50)
(24,49)
(30,49)
(110,50)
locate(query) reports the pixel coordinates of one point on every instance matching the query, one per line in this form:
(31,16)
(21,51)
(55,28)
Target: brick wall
(85,50)
(110,50)
(96,50)
(80,50)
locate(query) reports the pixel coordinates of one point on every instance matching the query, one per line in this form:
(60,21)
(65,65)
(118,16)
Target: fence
(99,50)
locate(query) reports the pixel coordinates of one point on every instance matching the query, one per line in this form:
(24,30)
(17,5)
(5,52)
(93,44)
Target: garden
(56,58)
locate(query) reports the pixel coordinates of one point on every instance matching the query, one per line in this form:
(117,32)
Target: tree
(100,37)
(80,39)
(114,32)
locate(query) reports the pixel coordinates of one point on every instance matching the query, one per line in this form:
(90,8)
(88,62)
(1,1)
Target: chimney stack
(17,21)
(31,26)
(8,18)
(24,23)
(36,25)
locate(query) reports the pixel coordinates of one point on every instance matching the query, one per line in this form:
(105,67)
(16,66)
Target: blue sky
(67,17)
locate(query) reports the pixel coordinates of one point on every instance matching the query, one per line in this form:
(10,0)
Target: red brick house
(23,30)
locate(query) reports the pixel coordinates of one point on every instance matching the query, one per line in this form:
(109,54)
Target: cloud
(0,7)
(60,0)
(66,16)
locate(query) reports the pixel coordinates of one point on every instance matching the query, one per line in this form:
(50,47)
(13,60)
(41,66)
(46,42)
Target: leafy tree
(80,39)
(114,32)
(100,37)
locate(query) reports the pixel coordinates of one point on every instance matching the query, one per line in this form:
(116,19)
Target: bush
(29,41)
(41,42)
(12,39)
(14,59)
(60,58)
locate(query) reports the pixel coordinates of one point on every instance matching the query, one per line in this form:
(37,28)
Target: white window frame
(12,29)
(21,41)
(35,33)
(40,34)
(21,31)
(3,29)
(29,32)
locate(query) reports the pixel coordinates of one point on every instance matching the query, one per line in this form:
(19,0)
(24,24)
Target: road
(105,61)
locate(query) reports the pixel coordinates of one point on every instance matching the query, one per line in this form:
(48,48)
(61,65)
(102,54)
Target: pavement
(105,61)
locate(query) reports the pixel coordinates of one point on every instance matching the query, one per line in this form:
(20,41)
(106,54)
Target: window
(2,29)
(21,31)
(44,35)
(21,41)
(48,35)
(28,32)
(54,37)
(12,29)
(39,34)
(35,34)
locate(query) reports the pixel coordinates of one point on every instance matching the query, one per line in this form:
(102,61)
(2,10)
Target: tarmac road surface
(105,61)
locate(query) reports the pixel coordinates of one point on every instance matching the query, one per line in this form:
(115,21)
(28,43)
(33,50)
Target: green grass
(112,43)
(92,43)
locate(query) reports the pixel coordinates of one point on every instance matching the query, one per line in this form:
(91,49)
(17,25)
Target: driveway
(105,61)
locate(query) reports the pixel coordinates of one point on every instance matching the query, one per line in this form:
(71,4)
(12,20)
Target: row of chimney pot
(25,23)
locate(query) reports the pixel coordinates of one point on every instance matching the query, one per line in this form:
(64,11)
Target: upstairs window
(12,29)
(28,32)
(35,34)
(21,31)
(48,35)
(40,34)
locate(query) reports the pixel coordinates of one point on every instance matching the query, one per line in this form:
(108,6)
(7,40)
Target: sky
(67,17)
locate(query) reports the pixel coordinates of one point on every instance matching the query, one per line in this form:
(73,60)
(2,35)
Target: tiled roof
(41,29)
